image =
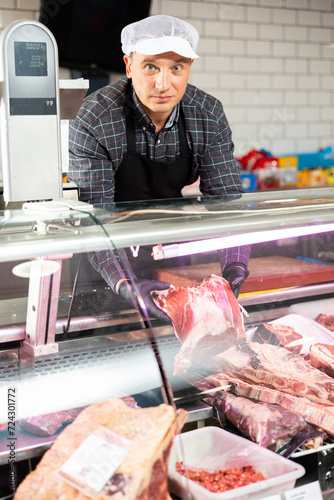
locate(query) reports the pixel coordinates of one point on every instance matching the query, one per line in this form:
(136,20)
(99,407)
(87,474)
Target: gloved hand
(127,293)
(235,273)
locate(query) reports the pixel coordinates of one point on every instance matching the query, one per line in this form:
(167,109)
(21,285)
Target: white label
(95,461)
(310,491)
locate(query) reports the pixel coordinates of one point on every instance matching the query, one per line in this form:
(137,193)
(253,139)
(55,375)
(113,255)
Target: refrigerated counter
(66,340)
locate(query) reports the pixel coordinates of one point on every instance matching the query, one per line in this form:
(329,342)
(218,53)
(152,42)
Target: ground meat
(221,480)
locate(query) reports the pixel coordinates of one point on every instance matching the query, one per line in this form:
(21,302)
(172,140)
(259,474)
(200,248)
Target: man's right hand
(145,287)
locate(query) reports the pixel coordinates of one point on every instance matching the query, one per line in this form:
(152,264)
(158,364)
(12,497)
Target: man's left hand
(235,273)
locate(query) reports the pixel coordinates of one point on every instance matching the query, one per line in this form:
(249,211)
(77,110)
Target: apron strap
(131,134)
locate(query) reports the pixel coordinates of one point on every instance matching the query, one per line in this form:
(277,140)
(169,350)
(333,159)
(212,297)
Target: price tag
(310,491)
(90,467)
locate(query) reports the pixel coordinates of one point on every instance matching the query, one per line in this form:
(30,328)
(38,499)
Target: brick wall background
(271,63)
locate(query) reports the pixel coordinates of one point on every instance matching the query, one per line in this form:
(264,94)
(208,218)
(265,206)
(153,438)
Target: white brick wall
(265,57)
(268,61)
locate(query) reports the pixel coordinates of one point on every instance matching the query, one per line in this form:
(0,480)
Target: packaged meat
(48,424)
(322,357)
(266,424)
(279,334)
(141,474)
(207,319)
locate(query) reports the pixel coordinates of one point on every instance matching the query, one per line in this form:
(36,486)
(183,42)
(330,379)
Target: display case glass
(67,340)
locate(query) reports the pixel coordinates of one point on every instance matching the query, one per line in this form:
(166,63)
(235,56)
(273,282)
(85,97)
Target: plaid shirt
(97,144)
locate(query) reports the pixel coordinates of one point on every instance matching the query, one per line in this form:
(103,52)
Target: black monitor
(88,32)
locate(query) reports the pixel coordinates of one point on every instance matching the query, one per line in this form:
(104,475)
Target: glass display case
(67,340)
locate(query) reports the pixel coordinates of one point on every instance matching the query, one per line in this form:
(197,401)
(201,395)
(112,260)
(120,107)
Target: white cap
(159,34)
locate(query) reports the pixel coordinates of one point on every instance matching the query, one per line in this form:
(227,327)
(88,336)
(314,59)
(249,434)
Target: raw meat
(326,320)
(206,318)
(46,425)
(277,368)
(49,424)
(277,334)
(322,357)
(319,415)
(141,475)
(266,424)
(219,481)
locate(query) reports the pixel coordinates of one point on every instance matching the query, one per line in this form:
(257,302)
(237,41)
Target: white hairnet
(159,34)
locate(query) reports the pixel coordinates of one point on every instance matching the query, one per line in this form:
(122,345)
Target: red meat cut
(322,357)
(141,475)
(46,425)
(206,318)
(326,320)
(319,415)
(276,368)
(266,424)
(278,334)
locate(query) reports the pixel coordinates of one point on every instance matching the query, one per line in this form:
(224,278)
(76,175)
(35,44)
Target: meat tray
(310,330)
(214,448)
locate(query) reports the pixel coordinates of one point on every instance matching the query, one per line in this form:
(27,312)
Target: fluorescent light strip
(194,247)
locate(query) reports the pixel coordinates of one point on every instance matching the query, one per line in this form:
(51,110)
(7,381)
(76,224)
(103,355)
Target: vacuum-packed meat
(48,424)
(206,318)
(142,474)
(266,424)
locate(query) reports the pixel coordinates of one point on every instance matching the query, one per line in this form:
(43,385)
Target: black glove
(128,292)
(235,273)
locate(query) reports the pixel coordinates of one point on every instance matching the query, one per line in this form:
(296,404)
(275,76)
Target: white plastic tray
(214,448)
(313,308)
(311,331)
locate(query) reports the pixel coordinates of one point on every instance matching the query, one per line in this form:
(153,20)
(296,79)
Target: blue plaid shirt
(97,144)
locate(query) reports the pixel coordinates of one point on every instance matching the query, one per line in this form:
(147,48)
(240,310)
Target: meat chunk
(46,425)
(206,318)
(277,368)
(322,357)
(266,424)
(326,320)
(281,335)
(321,416)
(141,475)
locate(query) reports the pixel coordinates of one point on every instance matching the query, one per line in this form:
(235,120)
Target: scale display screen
(30,59)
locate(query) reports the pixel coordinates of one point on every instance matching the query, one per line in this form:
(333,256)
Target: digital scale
(30,114)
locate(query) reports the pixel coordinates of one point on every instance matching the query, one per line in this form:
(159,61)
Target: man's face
(159,81)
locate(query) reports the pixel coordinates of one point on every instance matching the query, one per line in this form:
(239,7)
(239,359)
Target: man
(149,135)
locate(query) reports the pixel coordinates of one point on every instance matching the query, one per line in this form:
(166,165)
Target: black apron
(140,178)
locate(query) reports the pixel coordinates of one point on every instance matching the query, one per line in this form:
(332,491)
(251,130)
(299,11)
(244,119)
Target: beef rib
(319,415)
(276,368)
